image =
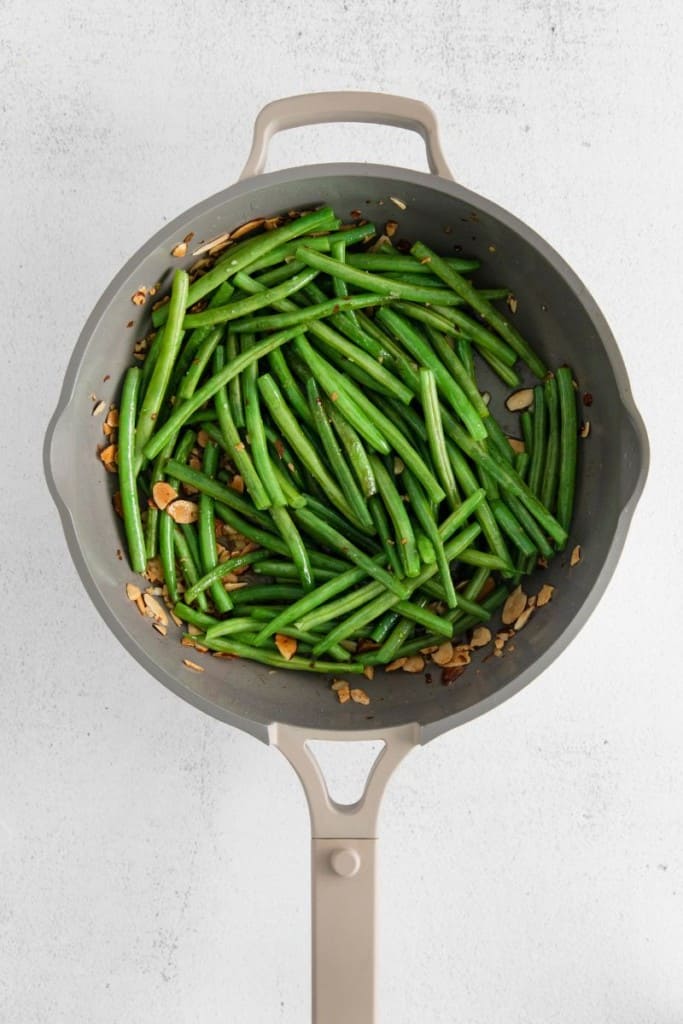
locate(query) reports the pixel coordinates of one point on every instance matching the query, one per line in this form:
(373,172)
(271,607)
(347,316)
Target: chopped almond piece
(443,654)
(179,250)
(517,446)
(480,637)
(415,663)
(544,595)
(182,511)
(575,556)
(390,228)
(142,607)
(521,622)
(99,408)
(398,202)
(520,399)
(514,606)
(286,645)
(369,672)
(460,657)
(211,244)
(192,665)
(154,609)
(133,591)
(160,628)
(342,689)
(109,455)
(237,484)
(359,696)
(392,666)
(163,494)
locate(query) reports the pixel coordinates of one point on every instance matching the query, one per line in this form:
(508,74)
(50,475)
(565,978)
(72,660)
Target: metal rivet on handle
(345,862)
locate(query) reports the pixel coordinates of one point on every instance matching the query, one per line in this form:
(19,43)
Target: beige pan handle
(343,871)
(326,107)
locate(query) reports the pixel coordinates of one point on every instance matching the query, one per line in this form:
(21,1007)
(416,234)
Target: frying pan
(288,710)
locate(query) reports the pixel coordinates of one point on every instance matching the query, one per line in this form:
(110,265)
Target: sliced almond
(369,672)
(544,595)
(390,228)
(379,243)
(183,511)
(519,400)
(339,684)
(481,636)
(112,419)
(344,695)
(211,244)
(192,665)
(202,438)
(393,665)
(499,642)
(398,202)
(133,591)
(429,649)
(138,297)
(359,696)
(244,229)
(517,446)
(154,571)
(237,484)
(270,223)
(512,303)
(443,654)
(521,622)
(141,606)
(109,454)
(415,663)
(179,250)
(99,408)
(575,556)
(514,606)
(286,645)
(160,628)
(163,494)
(460,658)
(175,618)
(155,609)
(585,429)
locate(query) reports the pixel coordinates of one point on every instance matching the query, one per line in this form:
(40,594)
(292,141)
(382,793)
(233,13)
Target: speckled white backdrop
(154,863)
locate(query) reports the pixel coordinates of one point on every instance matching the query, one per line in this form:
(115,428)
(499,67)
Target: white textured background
(154,863)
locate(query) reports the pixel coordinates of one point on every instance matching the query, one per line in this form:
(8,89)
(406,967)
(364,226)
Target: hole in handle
(345,766)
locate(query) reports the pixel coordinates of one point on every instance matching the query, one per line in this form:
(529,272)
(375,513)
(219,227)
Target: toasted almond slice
(379,243)
(430,649)
(359,696)
(512,303)
(175,618)
(369,672)
(344,696)
(188,641)
(244,229)
(585,429)
(270,223)
(234,586)
(183,511)
(154,571)
(460,659)
(520,399)
(155,608)
(499,642)
(160,628)
(211,244)
(99,408)
(544,595)
(339,684)
(514,606)
(179,250)
(517,445)
(392,666)
(192,665)
(521,622)
(109,454)
(575,556)
(390,228)
(237,484)
(202,438)
(443,654)
(133,591)
(112,419)
(398,202)
(481,636)
(138,297)
(415,663)
(142,607)
(286,645)
(194,630)
(163,494)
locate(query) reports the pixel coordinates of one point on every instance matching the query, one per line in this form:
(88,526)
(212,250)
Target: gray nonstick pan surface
(563,323)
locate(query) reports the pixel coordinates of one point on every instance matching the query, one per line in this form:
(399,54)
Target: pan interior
(554,312)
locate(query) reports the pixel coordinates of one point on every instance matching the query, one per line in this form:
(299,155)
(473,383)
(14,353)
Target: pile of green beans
(318,399)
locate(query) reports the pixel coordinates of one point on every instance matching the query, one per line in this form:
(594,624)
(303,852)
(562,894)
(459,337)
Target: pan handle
(343,871)
(326,107)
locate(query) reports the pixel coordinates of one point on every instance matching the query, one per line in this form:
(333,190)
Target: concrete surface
(153,863)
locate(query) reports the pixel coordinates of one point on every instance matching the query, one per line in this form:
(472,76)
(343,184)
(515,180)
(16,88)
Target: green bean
(290,388)
(196,339)
(169,346)
(499,439)
(208,554)
(288,531)
(494,601)
(354,448)
(423,514)
(527,424)
(335,459)
(485,559)
(296,664)
(482,306)
(398,514)
(339,287)
(152,523)
(236,624)
(416,613)
(360,536)
(367,614)
(510,526)
(385,625)
(421,350)
(293,497)
(193,374)
(286,251)
(234,444)
(382,528)
(529,525)
(484,515)
(340,607)
(216,490)
(340,543)
(568,447)
(239,308)
(435,436)
(507,374)
(522,461)
(130,505)
(232,350)
(197,618)
(271,593)
(257,438)
(396,262)
(539,441)
(425,547)
(484,339)
(460,373)
(399,635)
(214,384)
(285,420)
(331,383)
(166,524)
(215,573)
(288,571)
(551,468)
(276,321)
(188,563)
(464,347)
(246,254)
